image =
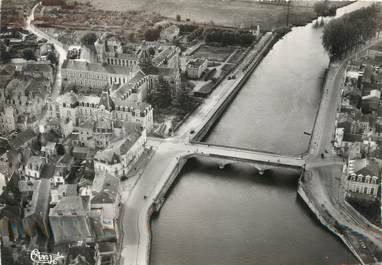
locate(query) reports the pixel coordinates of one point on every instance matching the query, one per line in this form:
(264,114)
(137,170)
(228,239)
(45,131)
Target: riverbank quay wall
(162,189)
(326,220)
(221,108)
(159,199)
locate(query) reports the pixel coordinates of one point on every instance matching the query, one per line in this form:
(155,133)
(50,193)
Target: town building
(7,119)
(11,225)
(106,253)
(195,68)
(94,115)
(122,153)
(105,201)
(36,199)
(363,179)
(95,75)
(69,220)
(39,70)
(60,190)
(374,51)
(110,51)
(169,33)
(27,97)
(33,167)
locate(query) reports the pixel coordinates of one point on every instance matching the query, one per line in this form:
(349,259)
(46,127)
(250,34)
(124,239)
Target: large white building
(85,108)
(109,50)
(96,75)
(195,68)
(363,179)
(128,69)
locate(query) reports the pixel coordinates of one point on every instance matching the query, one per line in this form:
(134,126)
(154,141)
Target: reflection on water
(234,216)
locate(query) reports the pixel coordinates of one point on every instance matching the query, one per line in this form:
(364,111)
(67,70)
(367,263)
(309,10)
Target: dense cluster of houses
(358,134)
(62,160)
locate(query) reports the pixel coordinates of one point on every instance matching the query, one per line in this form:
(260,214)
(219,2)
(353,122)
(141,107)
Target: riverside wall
(303,194)
(221,108)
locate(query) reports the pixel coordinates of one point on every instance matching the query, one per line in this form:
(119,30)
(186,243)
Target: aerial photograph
(190,132)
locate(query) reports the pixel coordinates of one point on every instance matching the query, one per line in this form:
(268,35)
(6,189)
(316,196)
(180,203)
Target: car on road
(322,156)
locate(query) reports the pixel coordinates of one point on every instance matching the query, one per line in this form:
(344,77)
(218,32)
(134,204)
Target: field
(219,54)
(223,12)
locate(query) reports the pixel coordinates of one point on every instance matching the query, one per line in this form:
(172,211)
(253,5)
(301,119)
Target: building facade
(195,68)
(363,179)
(119,157)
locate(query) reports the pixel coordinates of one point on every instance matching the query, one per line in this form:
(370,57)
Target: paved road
(57,45)
(135,248)
(246,155)
(136,233)
(204,112)
(327,183)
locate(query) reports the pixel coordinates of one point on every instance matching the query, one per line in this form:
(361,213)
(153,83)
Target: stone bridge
(262,161)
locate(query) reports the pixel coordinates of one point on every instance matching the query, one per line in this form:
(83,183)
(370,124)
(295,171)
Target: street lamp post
(288,9)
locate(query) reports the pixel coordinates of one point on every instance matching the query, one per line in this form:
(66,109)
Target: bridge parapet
(248,156)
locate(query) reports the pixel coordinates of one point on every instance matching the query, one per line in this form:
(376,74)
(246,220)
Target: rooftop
(196,63)
(162,71)
(38,67)
(105,181)
(40,199)
(68,98)
(96,67)
(22,138)
(364,166)
(112,154)
(141,106)
(67,206)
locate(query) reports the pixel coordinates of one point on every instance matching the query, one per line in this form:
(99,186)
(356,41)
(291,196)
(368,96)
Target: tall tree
(28,54)
(89,39)
(350,31)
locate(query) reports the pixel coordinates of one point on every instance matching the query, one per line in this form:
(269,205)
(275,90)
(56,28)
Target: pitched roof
(38,67)
(68,98)
(161,71)
(11,194)
(40,199)
(349,137)
(112,154)
(48,171)
(96,67)
(68,206)
(22,138)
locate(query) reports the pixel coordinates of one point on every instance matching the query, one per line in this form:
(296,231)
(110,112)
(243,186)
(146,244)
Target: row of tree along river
(234,216)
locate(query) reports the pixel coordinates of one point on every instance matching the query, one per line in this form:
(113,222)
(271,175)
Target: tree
(28,54)
(52,58)
(152,34)
(319,7)
(185,101)
(131,37)
(178,18)
(89,39)
(350,31)
(324,8)
(162,96)
(60,149)
(4,54)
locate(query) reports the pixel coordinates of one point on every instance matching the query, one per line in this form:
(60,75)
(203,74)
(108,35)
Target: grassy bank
(229,13)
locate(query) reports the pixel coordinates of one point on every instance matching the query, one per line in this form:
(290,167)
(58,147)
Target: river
(233,216)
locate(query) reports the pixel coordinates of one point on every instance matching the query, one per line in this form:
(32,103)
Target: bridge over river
(262,161)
